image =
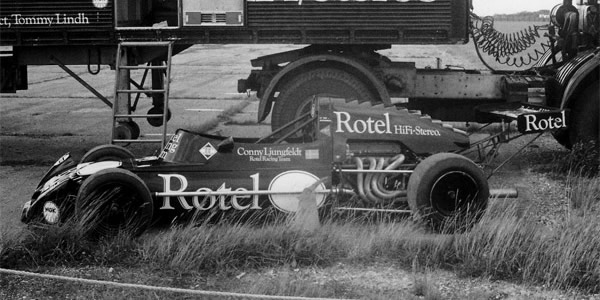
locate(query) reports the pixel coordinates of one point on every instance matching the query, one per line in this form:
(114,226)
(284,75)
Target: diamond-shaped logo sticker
(208,151)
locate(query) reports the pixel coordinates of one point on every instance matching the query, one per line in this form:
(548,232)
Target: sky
(491,7)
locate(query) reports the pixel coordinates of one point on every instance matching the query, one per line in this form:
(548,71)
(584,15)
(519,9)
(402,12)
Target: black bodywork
(201,173)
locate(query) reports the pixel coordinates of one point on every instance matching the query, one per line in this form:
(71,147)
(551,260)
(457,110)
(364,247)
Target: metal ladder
(122,109)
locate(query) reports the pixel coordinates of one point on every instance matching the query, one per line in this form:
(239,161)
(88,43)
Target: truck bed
(266,22)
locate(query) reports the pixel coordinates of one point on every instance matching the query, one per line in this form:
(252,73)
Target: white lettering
(378,126)
(200,206)
(255,187)
(4,22)
(66,20)
(561,122)
(362,124)
(387,123)
(222,198)
(532,123)
(543,124)
(167,189)
(209,201)
(234,200)
(341,122)
(38,20)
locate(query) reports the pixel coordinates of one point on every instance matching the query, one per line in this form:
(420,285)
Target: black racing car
(358,158)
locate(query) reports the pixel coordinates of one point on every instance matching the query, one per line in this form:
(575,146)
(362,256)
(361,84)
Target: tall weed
(505,244)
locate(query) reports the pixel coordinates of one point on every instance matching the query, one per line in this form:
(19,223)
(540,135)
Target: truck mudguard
(357,67)
(573,74)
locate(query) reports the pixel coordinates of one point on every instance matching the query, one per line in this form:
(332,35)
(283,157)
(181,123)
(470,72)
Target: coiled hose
(504,46)
(371,186)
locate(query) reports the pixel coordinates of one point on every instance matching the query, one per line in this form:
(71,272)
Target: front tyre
(296,95)
(448,191)
(106,153)
(112,201)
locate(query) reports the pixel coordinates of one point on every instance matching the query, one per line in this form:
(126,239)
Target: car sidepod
(203,174)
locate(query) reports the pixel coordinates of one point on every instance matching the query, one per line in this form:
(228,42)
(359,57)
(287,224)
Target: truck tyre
(112,201)
(106,153)
(297,94)
(157,110)
(585,124)
(447,191)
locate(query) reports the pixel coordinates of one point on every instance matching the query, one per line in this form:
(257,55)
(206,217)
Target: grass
(506,244)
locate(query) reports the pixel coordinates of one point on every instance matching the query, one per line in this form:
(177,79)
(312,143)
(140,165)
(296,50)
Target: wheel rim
(454,192)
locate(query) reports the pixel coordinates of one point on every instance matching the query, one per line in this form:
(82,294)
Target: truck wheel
(106,153)
(585,124)
(112,201)
(296,95)
(157,110)
(127,131)
(448,191)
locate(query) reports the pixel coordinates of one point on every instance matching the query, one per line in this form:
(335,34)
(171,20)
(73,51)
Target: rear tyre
(113,201)
(106,153)
(448,191)
(584,130)
(584,117)
(297,94)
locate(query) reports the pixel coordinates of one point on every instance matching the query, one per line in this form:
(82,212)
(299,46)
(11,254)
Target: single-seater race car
(356,157)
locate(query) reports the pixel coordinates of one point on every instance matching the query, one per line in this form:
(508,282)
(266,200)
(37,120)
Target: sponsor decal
(62,159)
(51,212)
(268,154)
(312,154)
(294,180)
(208,151)
(531,123)
(371,125)
(283,193)
(223,202)
(47,20)
(171,146)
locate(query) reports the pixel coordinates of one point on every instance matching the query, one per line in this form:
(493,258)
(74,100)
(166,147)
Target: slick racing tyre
(448,191)
(296,95)
(106,153)
(113,201)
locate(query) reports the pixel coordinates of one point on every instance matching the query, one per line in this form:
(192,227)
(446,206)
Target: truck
(340,59)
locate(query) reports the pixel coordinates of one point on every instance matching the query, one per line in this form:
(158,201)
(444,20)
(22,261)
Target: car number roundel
(293,181)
